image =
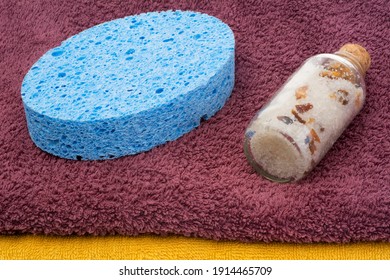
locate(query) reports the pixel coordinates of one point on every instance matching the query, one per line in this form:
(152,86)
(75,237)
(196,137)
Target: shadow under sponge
(125,86)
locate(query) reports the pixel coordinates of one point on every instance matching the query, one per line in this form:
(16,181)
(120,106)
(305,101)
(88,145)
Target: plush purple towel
(201,184)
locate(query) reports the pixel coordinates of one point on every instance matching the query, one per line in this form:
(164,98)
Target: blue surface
(125,86)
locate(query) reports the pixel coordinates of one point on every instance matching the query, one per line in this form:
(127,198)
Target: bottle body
(296,128)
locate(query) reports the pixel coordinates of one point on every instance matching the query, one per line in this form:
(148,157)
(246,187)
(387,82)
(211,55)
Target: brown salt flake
(343,92)
(304,107)
(331,74)
(310,120)
(327,74)
(346,73)
(315,135)
(341,96)
(336,71)
(301,92)
(296,115)
(312,147)
(332,95)
(285,119)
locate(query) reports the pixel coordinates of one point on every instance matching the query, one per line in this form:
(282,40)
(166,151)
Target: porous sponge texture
(128,85)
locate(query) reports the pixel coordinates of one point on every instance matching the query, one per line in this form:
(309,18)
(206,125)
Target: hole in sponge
(79,157)
(159,90)
(53,142)
(61,75)
(57,53)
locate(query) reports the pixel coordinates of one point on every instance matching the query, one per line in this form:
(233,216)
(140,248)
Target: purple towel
(201,184)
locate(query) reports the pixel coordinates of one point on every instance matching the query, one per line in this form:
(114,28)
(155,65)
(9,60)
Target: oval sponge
(125,86)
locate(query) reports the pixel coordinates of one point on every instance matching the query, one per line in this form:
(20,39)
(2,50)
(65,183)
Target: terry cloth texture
(146,247)
(201,184)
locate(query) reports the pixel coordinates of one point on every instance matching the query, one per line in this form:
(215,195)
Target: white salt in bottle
(296,128)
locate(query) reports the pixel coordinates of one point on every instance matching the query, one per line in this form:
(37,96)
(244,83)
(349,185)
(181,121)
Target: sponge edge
(128,85)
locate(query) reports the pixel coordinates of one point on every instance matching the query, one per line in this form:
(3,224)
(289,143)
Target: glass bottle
(290,134)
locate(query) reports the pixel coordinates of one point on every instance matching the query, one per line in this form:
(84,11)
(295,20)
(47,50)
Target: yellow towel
(177,248)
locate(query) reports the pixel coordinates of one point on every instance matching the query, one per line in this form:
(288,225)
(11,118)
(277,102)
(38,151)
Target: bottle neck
(354,60)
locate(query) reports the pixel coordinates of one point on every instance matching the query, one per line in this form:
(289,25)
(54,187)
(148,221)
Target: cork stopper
(357,55)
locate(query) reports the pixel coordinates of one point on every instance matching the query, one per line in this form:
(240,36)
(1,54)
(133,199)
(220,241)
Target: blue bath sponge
(128,85)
